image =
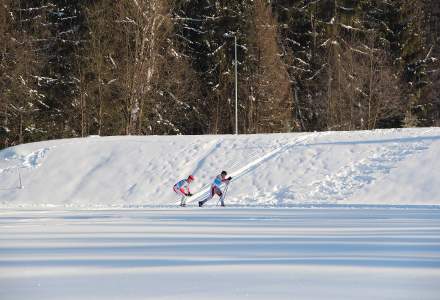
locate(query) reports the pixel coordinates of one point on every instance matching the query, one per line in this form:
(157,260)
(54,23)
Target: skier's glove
(230,178)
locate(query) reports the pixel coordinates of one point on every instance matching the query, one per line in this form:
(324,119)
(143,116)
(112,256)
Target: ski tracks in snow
(32,160)
(343,183)
(350,178)
(302,140)
(211,146)
(35,159)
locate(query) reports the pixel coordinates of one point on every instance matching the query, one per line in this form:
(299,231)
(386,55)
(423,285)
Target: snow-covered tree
(270,91)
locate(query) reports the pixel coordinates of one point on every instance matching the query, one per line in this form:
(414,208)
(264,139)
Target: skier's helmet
(190,177)
(224,173)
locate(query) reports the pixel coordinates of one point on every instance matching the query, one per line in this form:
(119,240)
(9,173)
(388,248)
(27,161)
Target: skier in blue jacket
(215,187)
(182,188)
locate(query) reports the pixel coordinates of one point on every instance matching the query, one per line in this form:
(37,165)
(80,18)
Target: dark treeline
(79,68)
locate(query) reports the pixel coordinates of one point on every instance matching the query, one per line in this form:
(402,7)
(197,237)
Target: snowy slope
(398,166)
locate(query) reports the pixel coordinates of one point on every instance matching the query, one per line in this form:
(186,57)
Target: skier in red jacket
(182,188)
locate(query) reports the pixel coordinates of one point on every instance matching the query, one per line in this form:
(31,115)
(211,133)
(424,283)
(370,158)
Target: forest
(167,67)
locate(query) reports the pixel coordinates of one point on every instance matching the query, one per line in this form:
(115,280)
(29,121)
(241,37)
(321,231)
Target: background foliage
(78,68)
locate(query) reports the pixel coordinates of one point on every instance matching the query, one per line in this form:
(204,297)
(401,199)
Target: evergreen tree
(207,29)
(270,93)
(20,68)
(75,68)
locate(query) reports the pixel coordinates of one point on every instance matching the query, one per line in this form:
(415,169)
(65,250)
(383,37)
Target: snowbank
(398,166)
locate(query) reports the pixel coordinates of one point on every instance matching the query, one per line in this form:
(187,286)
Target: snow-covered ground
(334,215)
(328,252)
(398,166)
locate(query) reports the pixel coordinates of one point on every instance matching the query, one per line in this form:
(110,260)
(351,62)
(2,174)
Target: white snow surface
(328,252)
(328,215)
(398,166)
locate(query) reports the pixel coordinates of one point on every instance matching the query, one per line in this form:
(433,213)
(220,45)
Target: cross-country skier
(215,187)
(182,188)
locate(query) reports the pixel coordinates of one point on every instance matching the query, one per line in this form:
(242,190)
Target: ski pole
(223,197)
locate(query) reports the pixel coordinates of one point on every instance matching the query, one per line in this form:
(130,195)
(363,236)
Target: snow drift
(397,166)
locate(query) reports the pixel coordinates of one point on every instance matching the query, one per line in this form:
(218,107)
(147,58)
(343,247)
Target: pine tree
(74,68)
(207,29)
(20,66)
(269,105)
(432,95)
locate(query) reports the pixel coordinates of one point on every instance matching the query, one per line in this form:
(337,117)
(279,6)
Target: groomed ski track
(236,174)
(321,252)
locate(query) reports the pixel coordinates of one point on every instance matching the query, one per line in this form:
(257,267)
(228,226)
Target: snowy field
(328,215)
(330,252)
(398,166)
